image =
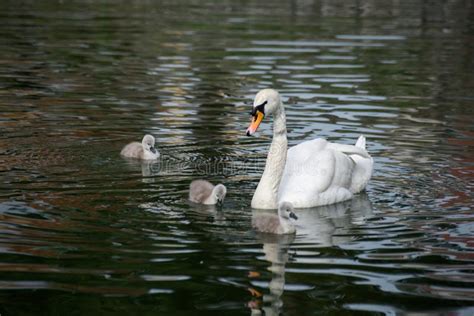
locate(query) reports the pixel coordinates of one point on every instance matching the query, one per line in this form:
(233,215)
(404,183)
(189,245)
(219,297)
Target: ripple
(318,43)
(273,50)
(81,228)
(164,278)
(372,37)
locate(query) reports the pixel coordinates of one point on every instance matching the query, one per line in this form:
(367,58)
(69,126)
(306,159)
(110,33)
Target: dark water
(83,231)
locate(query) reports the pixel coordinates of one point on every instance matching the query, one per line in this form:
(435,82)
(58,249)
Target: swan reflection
(322,225)
(275,249)
(149,168)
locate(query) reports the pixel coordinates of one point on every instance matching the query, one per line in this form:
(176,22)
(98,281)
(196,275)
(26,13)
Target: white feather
(312,173)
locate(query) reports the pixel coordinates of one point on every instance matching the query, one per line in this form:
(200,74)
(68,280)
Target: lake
(84,231)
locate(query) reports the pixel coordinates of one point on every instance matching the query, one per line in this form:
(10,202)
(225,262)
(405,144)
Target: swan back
(133,150)
(204,192)
(278,223)
(144,150)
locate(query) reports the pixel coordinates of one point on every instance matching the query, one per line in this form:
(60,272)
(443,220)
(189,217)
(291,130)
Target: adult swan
(313,173)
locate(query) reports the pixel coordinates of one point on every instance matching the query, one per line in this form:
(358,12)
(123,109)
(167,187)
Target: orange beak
(256,120)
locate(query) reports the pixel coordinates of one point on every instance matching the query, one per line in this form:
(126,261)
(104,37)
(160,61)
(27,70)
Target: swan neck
(279,122)
(266,195)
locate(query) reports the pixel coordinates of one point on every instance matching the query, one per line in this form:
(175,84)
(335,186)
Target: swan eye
(260,108)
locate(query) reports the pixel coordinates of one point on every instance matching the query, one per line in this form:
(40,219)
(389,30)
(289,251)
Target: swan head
(219,193)
(148,143)
(266,102)
(285,210)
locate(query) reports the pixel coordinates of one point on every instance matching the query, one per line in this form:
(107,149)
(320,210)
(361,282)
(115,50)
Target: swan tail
(360,142)
(362,170)
(351,149)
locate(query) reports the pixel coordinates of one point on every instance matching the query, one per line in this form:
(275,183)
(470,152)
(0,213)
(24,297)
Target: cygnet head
(219,193)
(266,102)
(148,143)
(285,210)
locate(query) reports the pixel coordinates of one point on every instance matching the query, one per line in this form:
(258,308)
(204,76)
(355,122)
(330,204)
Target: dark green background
(85,232)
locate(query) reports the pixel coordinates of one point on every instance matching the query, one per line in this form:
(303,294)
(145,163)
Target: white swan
(312,173)
(145,150)
(204,192)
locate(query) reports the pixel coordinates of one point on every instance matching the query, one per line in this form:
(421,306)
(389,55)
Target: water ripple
(81,228)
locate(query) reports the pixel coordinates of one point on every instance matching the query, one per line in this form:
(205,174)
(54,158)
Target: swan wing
(318,172)
(309,169)
(132,150)
(200,190)
(350,149)
(362,170)
(363,163)
(266,223)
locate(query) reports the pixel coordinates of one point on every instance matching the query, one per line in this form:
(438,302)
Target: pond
(85,231)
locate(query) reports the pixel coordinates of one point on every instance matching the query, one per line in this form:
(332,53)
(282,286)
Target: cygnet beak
(153,150)
(293,215)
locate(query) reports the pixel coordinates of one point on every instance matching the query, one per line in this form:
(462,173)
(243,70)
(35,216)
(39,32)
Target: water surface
(83,230)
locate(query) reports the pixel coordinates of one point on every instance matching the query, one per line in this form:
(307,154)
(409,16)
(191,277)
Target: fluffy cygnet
(204,192)
(145,150)
(272,223)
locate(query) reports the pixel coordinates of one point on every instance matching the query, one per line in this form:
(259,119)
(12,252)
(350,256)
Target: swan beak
(256,120)
(293,216)
(153,150)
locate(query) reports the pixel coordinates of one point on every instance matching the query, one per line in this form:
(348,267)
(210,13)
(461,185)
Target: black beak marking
(293,215)
(153,150)
(260,108)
